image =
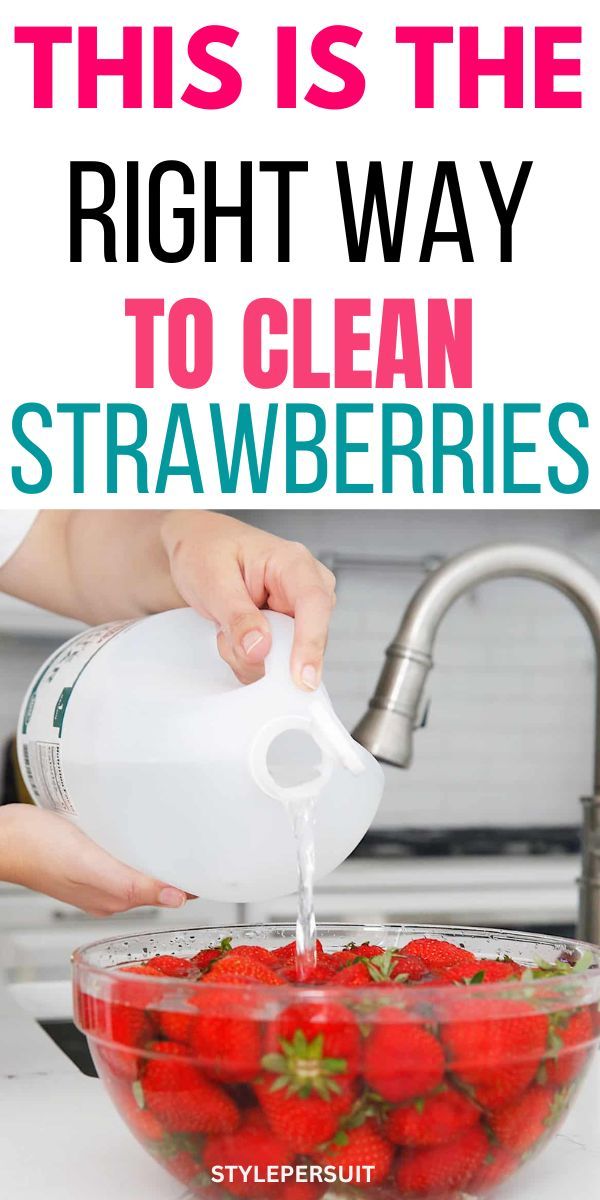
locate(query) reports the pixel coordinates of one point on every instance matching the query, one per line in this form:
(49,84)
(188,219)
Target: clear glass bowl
(294,1091)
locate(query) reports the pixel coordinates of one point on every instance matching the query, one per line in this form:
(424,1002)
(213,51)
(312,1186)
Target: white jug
(142,735)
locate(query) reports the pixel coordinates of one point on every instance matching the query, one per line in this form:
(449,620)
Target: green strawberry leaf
(478,977)
(419,1104)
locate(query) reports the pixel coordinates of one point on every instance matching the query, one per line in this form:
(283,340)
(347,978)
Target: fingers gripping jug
(139,732)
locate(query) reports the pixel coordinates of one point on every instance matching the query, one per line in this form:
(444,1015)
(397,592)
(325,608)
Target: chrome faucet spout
(387,727)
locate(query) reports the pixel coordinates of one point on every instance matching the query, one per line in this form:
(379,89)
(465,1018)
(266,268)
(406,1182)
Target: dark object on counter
(12,784)
(519,841)
(72,1043)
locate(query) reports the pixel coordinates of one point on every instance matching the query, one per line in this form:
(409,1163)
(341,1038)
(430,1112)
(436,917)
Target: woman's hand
(44,851)
(102,566)
(229,572)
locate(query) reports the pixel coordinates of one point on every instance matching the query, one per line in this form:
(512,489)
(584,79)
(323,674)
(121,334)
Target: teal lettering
(22,439)
(179,422)
(391,449)
(116,449)
(244,441)
(311,445)
(344,447)
(569,449)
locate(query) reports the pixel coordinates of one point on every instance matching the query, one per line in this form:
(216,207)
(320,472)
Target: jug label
(52,690)
(44,776)
(44,712)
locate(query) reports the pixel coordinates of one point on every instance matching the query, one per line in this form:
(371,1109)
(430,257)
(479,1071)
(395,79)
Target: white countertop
(61,1138)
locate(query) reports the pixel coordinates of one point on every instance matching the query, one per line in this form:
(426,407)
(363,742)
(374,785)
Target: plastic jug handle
(336,745)
(277,662)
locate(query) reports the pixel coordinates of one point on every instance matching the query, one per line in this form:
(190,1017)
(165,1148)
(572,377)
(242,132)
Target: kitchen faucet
(387,727)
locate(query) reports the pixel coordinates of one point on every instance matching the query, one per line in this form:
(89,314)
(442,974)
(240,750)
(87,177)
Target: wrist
(12,835)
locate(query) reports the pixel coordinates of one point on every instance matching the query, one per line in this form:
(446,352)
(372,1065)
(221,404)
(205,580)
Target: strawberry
(170,964)
(519,1125)
(231,969)
(122,1064)
(442,1170)
(257,953)
(570,1042)
(287,953)
(498,1165)
(436,953)
(393,965)
(141,1121)
(182,1099)
(352,954)
(183,1166)
(126,1029)
(226,1043)
(484,970)
(203,959)
(401,1059)
(364,1146)
(314,1041)
(303,1122)
(298,1189)
(355,974)
(129,1026)
(498,1051)
(432,1120)
(494,970)
(252,1146)
(176,1026)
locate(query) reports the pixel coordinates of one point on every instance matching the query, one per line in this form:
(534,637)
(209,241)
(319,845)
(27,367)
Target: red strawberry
(226,1042)
(125,1029)
(204,958)
(147,968)
(303,1122)
(308,1034)
(498,1165)
(361,1147)
(287,953)
(183,1166)
(170,964)
(141,1121)
(394,964)
(401,1059)
(120,1024)
(436,953)
(494,970)
(498,1051)
(356,974)
(351,954)
(231,969)
(484,970)
(298,1189)
(176,1026)
(521,1124)
(442,1170)
(182,1099)
(432,1120)
(122,1064)
(258,953)
(570,1043)
(253,1146)
(129,1026)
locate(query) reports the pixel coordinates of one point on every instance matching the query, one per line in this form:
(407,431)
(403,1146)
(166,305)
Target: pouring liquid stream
(302,813)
